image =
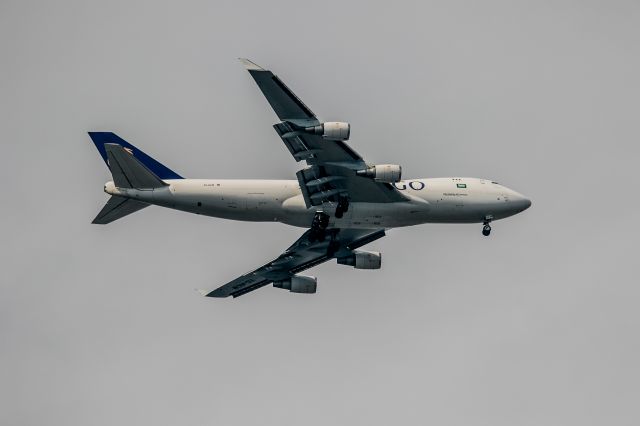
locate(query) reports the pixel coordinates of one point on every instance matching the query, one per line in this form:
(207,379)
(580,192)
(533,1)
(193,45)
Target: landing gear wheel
(343,207)
(318,227)
(486,230)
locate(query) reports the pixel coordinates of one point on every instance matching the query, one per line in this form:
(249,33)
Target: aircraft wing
(303,254)
(332,163)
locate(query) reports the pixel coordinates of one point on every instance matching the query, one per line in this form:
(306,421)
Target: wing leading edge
(302,255)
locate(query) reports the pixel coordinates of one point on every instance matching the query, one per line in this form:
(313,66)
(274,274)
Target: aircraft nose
(522,202)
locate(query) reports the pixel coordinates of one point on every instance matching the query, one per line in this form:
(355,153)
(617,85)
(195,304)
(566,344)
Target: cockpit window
(495,183)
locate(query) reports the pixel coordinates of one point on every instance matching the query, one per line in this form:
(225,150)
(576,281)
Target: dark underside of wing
(302,255)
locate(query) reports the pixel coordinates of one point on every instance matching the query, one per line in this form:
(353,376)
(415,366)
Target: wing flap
(314,148)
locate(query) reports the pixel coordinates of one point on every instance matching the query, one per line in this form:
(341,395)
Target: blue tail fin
(102,138)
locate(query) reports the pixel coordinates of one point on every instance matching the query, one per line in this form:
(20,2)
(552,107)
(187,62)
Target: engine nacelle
(335,130)
(362,259)
(388,173)
(298,284)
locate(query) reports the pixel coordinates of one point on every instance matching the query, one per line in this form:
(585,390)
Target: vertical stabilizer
(101,139)
(128,172)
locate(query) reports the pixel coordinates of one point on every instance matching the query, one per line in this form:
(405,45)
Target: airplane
(342,200)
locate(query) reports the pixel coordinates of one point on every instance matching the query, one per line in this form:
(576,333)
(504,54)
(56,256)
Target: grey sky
(536,325)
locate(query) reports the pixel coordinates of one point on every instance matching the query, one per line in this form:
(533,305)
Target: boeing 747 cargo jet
(342,200)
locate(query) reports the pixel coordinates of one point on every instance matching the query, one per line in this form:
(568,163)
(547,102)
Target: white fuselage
(436,200)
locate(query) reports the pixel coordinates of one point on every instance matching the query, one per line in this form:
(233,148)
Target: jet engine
(362,259)
(331,130)
(298,284)
(388,173)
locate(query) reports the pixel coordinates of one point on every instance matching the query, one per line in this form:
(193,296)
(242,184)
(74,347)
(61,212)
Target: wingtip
(210,293)
(202,292)
(250,66)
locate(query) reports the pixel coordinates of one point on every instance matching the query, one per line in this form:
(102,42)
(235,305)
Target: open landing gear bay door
(305,253)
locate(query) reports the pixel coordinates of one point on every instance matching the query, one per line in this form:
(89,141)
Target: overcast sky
(536,325)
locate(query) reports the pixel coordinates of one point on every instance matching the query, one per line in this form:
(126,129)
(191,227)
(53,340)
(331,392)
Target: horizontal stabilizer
(116,208)
(128,172)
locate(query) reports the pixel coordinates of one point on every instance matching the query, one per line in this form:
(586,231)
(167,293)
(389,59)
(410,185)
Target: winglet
(250,65)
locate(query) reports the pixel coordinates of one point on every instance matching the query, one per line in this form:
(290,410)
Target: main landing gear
(321,220)
(343,207)
(486,229)
(318,227)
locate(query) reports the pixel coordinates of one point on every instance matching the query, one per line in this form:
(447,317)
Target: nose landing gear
(486,229)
